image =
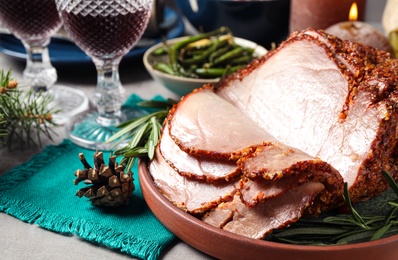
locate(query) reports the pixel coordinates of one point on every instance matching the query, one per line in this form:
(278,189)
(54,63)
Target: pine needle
(25,116)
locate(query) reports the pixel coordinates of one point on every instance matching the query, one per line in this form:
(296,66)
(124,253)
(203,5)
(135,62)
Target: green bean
(175,48)
(163,67)
(241,60)
(236,52)
(220,52)
(160,51)
(203,56)
(216,72)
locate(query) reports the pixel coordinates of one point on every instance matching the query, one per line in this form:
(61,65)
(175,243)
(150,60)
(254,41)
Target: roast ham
(329,98)
(278,138)
(188,143)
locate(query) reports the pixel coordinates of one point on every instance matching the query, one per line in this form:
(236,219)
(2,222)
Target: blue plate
(64,51)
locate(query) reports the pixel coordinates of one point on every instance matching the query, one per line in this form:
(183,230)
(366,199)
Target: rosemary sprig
(342,228)
(143,133)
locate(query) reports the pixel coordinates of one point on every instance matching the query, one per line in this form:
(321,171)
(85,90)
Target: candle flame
(353,15)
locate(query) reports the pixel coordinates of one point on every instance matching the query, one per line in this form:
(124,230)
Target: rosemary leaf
(354,213)
(393,203)
(391,182)
(151,148)
(138,136)
(164,105)
(361,235)
(128,126)
(310,231)
(389,216)
(381,231)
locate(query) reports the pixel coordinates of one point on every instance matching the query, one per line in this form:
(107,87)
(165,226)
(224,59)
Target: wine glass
(105,30)
(34,22)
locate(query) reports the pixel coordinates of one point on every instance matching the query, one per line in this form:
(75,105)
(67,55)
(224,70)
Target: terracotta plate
(225,245)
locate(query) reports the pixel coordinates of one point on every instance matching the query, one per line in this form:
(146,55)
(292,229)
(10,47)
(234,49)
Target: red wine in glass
(109,36)
(34,22)
(106,31)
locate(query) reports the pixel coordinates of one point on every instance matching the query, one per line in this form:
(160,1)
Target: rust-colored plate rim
(226,245)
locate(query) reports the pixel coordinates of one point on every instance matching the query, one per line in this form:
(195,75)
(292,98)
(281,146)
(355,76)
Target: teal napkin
(41,191)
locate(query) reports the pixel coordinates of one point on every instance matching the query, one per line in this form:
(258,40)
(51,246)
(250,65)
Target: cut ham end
(256,222)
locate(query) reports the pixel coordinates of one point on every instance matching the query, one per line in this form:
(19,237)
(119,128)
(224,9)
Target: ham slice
(203,124)
(256,222)
(275,169)
(190,195)
(329,98)
(187,165)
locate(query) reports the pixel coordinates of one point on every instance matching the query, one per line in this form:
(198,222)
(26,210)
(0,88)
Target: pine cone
(110,185)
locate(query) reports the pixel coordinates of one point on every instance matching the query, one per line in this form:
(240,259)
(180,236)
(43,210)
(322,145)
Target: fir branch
(25,116)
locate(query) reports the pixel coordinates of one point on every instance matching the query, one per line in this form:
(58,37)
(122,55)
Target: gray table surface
(19,240)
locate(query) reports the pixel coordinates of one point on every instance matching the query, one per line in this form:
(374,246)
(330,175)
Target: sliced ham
(195,167)
(190,195)
(274,169)
(256,222)
(203,124)
(278,138)
(331,99)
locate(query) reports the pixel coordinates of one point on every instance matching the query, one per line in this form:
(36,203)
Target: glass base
(90,131)
(70,102)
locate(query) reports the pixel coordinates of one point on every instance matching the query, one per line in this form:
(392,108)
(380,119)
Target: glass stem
(39,72)
(110,92)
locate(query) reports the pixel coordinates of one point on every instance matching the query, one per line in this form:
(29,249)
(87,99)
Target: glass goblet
(34,22)
(105,30)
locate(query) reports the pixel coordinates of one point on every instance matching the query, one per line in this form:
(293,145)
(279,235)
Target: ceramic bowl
(222,244)
(182,85)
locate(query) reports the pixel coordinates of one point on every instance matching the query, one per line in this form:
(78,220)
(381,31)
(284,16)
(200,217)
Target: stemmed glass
(105,30)
(34,22)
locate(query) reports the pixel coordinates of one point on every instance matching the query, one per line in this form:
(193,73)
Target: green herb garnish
(342,228)
(143,133)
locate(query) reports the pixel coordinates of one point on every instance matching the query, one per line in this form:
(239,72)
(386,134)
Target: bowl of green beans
(186,63)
